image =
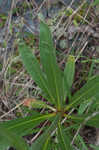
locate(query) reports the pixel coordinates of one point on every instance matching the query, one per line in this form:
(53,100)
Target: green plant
(56,87)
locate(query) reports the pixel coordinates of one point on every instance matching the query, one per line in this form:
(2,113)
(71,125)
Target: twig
(84,122)
(81,51)
(36,136)
(62,121)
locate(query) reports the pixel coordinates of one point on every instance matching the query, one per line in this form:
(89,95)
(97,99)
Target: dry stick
(20,84)
(71,3)
(62,121)
(73,44)
(84,18)
(14,107)
(87,11)
(76,134)
(5,63)
(12,110)
(28,26)
(88,118)
(71,23)
(66,117)
(7,33)
(36,136)
(81,51)
(60,20)
(77,55)
(44,1)
(28,3)
(17,106)
(70,17)
(34,2)
(9,64)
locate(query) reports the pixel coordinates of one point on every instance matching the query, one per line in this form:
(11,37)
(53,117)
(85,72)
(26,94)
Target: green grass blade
(69,72)
(9,138)
(50,66)
(42,141)
(33,67)
(24,126)
(95,104)
(88,91)
(83,106)
(63,139)
(93,121)
(83,145)
(96,2)
(94,147)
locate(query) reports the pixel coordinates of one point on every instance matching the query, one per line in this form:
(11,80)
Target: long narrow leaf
(32,66)
(93,121)
(83,145)
(70,70)
(9,138)
(88,91)
(42,141)
(48,60)
(63,139)
(94,147)
(24,126)
(69,74)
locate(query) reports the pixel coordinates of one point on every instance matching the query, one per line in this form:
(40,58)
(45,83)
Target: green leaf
(96,2)
(93,121)
(9,138)
(95,104)
(69,74)
(94,147)
(69,70)
(83,106)
(33,68)
(42,142)
(24,126)
(63,139)
(88,91)
(50,66)
(83,145)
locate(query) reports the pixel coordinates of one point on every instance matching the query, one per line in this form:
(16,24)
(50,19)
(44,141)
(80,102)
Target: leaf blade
(24,126)
(40,143)
(48,60)
(32,66)
(88,91)
(11,139)
(93,121)
(64,141)
(69,72)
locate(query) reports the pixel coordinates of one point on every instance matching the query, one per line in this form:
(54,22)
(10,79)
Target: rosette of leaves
(56,86)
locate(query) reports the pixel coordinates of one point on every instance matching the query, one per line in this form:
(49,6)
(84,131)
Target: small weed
(58,115)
